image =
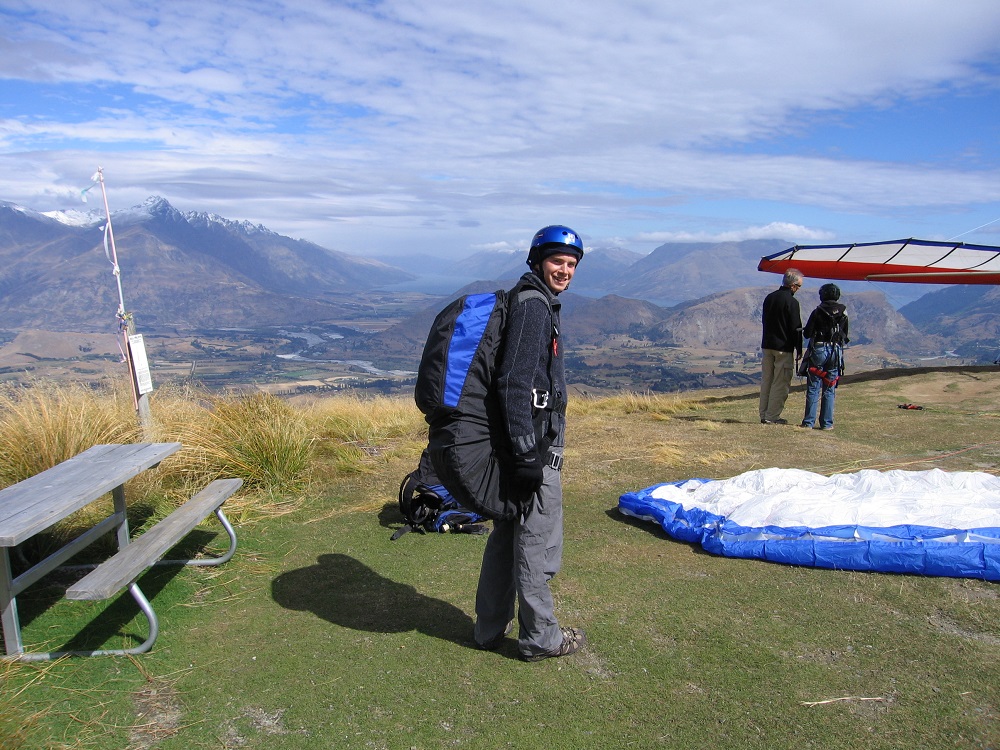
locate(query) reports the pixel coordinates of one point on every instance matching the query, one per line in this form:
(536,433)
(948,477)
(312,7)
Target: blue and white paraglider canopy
(925,522)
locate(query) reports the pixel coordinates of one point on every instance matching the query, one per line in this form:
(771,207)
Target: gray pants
(521,558)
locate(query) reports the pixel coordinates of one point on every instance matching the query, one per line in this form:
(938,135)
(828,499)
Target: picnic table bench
(39,502)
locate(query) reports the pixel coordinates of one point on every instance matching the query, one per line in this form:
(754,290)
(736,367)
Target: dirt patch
(948,389)
(158,715)
(943,624)
(255,721)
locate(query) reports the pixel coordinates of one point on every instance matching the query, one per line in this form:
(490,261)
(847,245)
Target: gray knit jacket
(530,361)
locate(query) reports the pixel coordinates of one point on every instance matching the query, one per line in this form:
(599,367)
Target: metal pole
(125,319)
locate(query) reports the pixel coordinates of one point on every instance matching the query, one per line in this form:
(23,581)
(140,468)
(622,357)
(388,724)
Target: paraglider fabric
(923,522)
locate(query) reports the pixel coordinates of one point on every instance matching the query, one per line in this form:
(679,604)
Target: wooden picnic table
(40,502)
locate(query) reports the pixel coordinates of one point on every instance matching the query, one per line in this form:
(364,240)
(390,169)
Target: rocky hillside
(177,270)
(732,321)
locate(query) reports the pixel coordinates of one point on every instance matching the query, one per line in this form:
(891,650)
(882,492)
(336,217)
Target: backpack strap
(830,332)
(525,293)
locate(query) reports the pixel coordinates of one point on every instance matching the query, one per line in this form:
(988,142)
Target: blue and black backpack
(427,506)
(456,392)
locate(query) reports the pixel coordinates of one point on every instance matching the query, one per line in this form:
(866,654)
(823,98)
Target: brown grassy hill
(731,321)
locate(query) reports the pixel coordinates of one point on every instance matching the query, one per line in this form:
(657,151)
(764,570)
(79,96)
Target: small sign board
(140,364)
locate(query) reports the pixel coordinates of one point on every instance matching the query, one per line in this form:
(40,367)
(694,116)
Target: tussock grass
(44,423)
(630,402)
(256,437)
(368,426)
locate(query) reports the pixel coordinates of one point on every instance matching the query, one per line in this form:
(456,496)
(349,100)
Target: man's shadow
(341,590)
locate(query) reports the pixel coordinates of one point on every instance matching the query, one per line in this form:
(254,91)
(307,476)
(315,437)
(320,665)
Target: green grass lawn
(322,633)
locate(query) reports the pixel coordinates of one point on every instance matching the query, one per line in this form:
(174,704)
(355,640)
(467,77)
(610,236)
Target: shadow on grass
(346,592)
(390,516)
(654,529)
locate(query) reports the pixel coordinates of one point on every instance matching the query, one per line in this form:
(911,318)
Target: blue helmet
(552,240)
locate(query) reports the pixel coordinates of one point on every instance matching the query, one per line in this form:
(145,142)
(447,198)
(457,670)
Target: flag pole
(132,344)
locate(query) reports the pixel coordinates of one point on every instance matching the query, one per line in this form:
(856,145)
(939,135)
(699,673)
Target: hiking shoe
(573,639)
(496,641)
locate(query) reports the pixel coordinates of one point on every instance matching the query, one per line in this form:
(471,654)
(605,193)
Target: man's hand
(526,471)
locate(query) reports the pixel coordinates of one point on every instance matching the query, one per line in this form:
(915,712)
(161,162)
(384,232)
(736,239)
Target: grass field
(321,633)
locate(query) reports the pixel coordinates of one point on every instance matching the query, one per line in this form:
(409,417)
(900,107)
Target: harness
(833,337)
(834,361)
(824,375)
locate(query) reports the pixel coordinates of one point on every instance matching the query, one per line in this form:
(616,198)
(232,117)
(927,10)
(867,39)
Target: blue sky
(449,126)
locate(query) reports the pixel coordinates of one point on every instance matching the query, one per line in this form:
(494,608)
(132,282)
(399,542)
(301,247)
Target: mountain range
(190,271)
(180,270)
(728,321)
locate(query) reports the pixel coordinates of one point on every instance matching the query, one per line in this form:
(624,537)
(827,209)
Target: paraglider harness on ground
(456,392)
(427,506)
(833,335)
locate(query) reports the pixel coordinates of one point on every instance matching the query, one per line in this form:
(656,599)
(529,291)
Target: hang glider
(910,261)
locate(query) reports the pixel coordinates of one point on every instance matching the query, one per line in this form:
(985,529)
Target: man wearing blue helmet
(522,555)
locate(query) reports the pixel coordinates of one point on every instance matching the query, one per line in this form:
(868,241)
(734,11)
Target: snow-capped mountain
(179,269)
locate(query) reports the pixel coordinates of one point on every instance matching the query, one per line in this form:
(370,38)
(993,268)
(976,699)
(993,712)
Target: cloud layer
(377,127)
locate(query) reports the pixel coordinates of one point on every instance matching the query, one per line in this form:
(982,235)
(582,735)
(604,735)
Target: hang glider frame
(902,261)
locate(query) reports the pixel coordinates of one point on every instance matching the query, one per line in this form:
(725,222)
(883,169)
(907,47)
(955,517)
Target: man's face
(558,270)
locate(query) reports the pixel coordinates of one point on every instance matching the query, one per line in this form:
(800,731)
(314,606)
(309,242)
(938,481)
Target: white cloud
(776,230)
(460,124)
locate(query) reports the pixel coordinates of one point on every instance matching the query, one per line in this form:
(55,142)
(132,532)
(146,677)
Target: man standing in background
(781,344)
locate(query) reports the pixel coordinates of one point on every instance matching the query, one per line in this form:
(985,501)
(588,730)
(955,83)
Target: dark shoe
(774,421)
(573,640)
(496,641)
(806,426)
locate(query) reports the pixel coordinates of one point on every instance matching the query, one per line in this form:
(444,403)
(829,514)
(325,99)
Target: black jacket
(529,362)
(819,327)
(782,322)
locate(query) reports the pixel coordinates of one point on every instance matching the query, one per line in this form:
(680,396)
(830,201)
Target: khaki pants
(776,378)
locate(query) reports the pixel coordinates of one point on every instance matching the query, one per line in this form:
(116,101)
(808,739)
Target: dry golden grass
(630,402)
(44,423)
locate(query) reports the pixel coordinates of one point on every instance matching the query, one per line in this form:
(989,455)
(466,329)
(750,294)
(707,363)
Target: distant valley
(231,304)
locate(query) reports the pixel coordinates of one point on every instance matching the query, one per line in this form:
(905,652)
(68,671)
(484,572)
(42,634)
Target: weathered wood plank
(128,564)
(36,503)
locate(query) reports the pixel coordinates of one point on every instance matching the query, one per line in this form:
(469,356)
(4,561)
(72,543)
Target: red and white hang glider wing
(912,261)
